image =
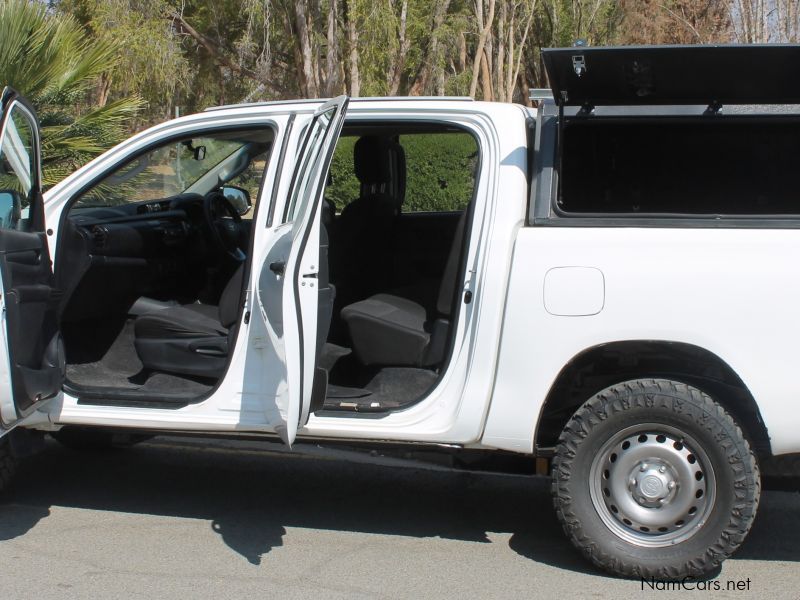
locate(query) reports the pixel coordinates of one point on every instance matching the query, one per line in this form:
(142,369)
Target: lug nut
(671,485)
(662,469)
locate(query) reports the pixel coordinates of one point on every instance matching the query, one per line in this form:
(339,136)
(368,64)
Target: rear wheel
(652,478)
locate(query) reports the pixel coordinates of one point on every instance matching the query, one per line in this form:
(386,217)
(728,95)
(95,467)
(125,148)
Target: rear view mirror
(10,209)
(200,153)
(238,197)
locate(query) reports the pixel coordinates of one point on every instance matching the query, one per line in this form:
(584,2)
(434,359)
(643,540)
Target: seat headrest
(372,160)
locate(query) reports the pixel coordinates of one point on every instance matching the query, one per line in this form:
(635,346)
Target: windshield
(170,170)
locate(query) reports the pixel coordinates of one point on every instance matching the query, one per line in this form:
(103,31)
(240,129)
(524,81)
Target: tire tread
(644,393)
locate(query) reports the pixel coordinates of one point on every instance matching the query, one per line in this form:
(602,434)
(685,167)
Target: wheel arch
(603,365)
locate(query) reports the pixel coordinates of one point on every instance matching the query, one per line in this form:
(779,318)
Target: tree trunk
(308,75)
(479,54)
(486,78)
(352,43)
(332,51)
(399,60)
(431,66)
(500,62)
(512,77)
(103,89)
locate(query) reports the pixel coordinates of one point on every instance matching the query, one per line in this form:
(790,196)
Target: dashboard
(142,229)
(111,255)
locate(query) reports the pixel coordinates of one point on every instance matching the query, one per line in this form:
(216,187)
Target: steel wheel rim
(652,485)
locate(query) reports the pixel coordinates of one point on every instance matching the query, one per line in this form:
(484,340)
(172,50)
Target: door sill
(104,396)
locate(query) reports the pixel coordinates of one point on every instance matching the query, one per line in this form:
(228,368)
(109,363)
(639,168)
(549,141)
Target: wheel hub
(653,483)
(652,486)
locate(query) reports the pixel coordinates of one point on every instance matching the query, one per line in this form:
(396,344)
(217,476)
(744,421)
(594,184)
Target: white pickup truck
(609,288)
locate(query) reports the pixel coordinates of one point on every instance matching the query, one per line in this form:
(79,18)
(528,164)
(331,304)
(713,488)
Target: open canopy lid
(663,75)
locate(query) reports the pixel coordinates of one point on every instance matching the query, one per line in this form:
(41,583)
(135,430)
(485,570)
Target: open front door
(288,285)
(32,369)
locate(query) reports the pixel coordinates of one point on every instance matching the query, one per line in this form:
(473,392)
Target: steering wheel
(223,222)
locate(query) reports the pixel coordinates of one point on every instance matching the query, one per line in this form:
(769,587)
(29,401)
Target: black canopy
(663,75)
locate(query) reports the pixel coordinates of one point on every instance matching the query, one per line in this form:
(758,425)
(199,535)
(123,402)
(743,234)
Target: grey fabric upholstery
(370,160)
(183,320)
(447,289)
(190,339)
(230,300)
(390,330)
(361,240)
(387,330)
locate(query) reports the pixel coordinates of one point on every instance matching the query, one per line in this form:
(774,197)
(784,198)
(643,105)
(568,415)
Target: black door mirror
(10,209)
(238,197)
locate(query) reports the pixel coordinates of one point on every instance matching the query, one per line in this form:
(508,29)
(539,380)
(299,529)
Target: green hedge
(440,171)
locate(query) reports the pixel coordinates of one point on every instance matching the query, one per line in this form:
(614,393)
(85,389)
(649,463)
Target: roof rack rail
(539,94)
(412,98)
(265,103)
(361,99)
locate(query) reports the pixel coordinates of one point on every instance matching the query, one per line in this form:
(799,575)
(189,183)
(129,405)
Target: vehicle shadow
(249,497)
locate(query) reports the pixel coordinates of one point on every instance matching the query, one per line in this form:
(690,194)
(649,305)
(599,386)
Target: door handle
(278,267)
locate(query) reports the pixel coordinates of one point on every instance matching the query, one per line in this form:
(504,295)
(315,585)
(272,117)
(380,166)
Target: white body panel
(729,291)
(455,411)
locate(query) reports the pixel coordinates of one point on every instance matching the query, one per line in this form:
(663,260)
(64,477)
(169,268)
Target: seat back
(362,244)
(447,289)
(440,327)
(230,300)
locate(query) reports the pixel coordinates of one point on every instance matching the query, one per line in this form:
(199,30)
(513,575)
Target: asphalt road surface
(197,519)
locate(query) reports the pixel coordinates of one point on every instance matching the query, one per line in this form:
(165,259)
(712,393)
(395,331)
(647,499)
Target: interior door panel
(33,341)
(35,348)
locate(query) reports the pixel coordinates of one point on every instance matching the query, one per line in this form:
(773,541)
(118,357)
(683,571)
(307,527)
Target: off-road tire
(679,407)
(8,465)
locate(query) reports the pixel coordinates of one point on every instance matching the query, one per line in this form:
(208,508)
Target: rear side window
(695,166)
(440,171)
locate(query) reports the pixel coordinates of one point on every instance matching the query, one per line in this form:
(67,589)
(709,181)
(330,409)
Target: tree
(50,60)
(674,22)
(150,56)
(765,21)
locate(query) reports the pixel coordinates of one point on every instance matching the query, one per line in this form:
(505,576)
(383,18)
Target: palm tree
(50,59)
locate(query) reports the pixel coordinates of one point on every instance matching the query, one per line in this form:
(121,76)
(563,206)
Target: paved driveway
(196,519)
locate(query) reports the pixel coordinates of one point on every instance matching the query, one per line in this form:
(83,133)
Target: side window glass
(343,185)
(250,179)
(17,169)
(310,155)
(440,171)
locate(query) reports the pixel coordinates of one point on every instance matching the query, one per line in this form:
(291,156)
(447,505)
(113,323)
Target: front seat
(390,330)
(190,339)
(194,339)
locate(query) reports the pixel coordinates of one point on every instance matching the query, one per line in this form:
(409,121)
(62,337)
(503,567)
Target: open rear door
(289,279)
(32,368)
